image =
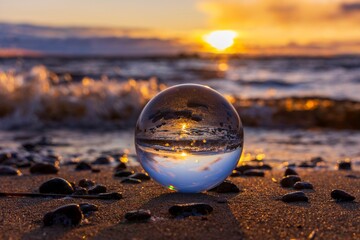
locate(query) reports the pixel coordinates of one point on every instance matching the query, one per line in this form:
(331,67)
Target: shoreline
(254,213)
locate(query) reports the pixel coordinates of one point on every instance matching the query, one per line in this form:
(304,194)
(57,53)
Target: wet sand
(254,213)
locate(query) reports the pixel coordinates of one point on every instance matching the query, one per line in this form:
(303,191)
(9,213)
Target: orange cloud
(279,22)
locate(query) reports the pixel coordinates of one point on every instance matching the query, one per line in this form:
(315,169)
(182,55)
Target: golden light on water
(221,39)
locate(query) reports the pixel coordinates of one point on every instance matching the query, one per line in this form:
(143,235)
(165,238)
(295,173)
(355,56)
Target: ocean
(291,107)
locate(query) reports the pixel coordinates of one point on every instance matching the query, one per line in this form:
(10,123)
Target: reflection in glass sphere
(189,138)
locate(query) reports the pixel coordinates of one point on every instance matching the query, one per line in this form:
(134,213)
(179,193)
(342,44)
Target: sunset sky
(262,26)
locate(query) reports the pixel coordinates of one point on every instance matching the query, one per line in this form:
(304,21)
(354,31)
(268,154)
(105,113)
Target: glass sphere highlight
(189,138)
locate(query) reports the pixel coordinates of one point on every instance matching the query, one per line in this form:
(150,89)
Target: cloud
(277,21)
(85,41)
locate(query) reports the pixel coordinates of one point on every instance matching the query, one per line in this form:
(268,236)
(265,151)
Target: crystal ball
(189,138)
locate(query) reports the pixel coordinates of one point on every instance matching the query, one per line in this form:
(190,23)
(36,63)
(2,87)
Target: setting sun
(221,40)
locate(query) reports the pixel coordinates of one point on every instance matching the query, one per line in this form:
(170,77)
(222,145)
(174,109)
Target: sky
(263,26)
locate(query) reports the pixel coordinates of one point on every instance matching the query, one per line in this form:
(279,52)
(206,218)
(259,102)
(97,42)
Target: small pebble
(56,186)
(9,171)
(88,208)
(190,209)
(344,165)
(68,215)
(140,176)
(138,215)
(97,189)
(5,156)
(95,170)
(120,166)
(289,181)
(295,197)
(316,160)
(81,166)
(44,168)
(303,185)
(226,187)
(243,168)
(254,173)
(112,195)
(341,196)
(86,183)
(103,160)
(222,200)
(290,171)
(352,176)
(131,180)
(306,165)
(80,191)
(122,173)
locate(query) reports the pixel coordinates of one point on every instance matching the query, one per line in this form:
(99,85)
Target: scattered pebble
(9,171)
(120,166)
(352,176)
(131,180)
(112,195)
(303,185)
(140,176)
(295,197)
(341,195)
(81,166)
(290,171)
(138,215)
(80,191)
(344,165)
(57,186)
(103,160)
(97,189)
(86,183)
(289,181)
(68,215)
(44,168)
(122,173)
(226,187)
(95,170)
(190,209)
(222,200)
(316,160)
(306,165)
(254,173)
(87,208)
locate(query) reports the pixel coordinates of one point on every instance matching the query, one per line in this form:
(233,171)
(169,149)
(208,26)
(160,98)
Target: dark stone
(103,160)
(190,209)
(306,165)
(235,173)
(86,183)
(88,208)
(290,171)
(80,191)
(303,185)
(316,160)
(68,215)
(264,167)
(254,173)
(95,170)
(295,197)
(9,171)
(344,165)
(81,166)
(244,168)
(4,157)
(341,196)
(110,196)
(352,176)
(44,168)
(30,147)
(23,164)
(131,180)
(138,215)
(97,189)
(123,173)
(289,181)
(120,166)
(57,186)
(226,187)
(140,176)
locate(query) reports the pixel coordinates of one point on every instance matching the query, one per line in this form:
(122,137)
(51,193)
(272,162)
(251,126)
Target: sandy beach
(254,213)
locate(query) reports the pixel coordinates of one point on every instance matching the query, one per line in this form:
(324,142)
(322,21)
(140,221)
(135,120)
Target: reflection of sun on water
(221,40)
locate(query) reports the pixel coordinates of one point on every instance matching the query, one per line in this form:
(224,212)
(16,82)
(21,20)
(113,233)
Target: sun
(221,39)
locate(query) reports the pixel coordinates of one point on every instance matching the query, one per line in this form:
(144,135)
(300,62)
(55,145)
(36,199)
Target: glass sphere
(189,138)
